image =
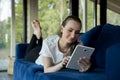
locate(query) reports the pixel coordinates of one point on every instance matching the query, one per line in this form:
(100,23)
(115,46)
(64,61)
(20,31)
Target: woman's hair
(73,45)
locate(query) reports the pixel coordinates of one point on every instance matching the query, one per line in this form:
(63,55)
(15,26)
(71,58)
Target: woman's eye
(77,32)
(70,30)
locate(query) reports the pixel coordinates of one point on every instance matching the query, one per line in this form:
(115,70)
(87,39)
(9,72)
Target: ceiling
(113,5)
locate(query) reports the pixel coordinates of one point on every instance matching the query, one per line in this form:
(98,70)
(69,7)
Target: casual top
(50,49)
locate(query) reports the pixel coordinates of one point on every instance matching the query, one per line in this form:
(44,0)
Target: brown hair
(73,45)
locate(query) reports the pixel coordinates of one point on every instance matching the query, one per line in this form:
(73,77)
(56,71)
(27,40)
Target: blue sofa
(105,59)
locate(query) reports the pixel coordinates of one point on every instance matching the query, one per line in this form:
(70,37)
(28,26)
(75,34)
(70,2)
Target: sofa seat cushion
(68,74)
(108,36)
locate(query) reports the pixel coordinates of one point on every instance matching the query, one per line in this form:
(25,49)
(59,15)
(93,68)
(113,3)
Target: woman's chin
(70,42)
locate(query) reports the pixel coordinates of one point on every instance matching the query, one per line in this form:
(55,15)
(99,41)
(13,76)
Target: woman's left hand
(84,64)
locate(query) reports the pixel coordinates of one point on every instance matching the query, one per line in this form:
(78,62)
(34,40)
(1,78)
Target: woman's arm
(50,67)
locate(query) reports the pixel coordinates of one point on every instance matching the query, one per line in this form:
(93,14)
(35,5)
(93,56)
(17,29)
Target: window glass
(51,13)
(89,13)
(19,20)
(5,20)
(113,12)
(114,19)
(5,24)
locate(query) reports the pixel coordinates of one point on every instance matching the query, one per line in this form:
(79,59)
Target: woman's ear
(61,29)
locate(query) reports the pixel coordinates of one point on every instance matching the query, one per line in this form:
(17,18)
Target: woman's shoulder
(52,39)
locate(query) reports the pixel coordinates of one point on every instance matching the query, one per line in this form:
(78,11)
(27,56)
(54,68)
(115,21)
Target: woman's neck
(63,46)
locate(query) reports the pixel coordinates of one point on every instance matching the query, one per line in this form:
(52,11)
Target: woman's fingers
(84,61)
(84,64)
(65,60)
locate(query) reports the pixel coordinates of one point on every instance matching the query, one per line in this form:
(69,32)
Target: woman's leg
(35,45)
(33,52)
(32,44)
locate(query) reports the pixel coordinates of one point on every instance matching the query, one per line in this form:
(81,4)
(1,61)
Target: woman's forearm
(53,68)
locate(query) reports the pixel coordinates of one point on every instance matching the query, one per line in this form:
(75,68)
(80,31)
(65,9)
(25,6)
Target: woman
(56,50)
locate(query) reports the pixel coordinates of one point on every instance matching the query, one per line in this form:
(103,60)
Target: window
(86,14)
(114,19)
(10,23)
(5,20)
(19,24)
(113,12)
(51,13)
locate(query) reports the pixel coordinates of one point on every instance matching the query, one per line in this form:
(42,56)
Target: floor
(5,76)
(6,66)
(4,63)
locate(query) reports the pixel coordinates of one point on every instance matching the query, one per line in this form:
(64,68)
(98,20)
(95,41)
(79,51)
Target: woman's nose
(73,34)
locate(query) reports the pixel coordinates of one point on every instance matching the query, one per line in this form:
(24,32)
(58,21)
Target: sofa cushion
(113,62)
(90,37)
(108,36)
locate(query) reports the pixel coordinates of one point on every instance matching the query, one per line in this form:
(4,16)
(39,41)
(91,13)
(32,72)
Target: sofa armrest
(20,50)
(24,70)
(113,62)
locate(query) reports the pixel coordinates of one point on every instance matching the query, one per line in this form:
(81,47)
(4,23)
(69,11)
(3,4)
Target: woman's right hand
(65,60)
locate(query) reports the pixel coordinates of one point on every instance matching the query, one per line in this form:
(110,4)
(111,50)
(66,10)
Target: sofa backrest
(90,37)
(101,37)
(108,36)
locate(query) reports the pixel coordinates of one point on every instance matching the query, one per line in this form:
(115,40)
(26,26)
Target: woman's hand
(49,67)
(65,60)
(84,64)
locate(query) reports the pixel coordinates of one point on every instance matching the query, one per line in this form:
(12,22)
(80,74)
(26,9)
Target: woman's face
(70,31)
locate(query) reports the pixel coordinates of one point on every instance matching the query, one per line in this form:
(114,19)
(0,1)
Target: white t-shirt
(50,49)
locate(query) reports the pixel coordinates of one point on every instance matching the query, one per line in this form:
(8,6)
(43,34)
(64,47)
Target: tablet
(79,51)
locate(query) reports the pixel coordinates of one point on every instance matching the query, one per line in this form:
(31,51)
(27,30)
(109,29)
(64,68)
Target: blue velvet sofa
(105,59)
